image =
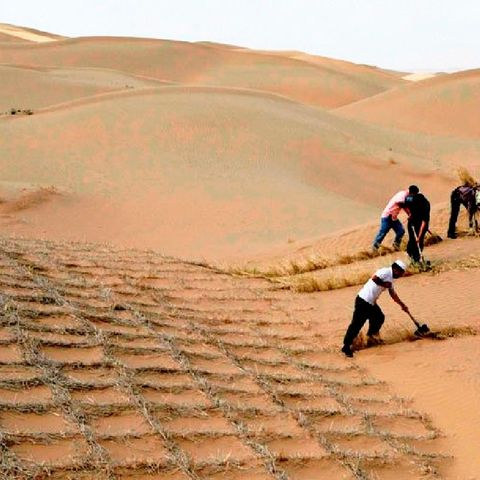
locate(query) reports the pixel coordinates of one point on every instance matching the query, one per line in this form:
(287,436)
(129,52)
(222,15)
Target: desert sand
(418,76)
(184,229)
(12,33)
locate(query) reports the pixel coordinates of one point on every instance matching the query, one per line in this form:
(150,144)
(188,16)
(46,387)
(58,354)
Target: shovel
(421,329)
(424,263)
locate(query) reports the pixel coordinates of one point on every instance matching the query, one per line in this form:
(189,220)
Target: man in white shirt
(366,306)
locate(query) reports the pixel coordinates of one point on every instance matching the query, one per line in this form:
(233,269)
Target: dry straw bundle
(466,177)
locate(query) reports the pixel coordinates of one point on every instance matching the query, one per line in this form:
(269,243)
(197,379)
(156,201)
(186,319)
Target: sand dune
(29,34)
(444,105)
(387,78)
(418,77)
(178,153)
(321,85)
(272,168)
(35,88)
(5,37)
(130,363)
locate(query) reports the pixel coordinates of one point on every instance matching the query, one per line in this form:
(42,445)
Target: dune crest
(418,77)
(322,84)
(26,34)
(441,105)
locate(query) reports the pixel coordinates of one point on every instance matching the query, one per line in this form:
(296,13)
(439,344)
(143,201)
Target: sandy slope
(444,105)
(194,63)
(126,361)
(34,88)
(5,37)
(441,377)
(443,380)
(151,161)
(176,154)
(369,73)
(28,34)
(138,354)
(418,77)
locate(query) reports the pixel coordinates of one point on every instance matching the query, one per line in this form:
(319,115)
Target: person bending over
(366,307)
(418,220)
(389,219)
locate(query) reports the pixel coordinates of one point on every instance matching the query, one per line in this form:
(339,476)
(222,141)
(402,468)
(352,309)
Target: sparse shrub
(18,111)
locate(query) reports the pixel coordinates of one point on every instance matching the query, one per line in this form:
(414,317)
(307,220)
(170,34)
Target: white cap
(400,264)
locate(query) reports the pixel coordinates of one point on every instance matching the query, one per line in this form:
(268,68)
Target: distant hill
(314,82)
(444,105)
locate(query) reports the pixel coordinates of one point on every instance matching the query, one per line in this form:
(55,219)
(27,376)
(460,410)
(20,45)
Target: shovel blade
(422,330)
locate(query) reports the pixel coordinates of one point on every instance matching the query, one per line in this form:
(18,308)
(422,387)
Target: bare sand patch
(76,355)
(121,424)
(134,452)
(28,396)
(440,375)
(34,423)
(58,453)
(10,354)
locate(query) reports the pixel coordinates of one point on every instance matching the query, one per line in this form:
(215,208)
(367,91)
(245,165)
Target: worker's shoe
(373,340)
(452,235)
(347,351)
(375,247)
(396,246)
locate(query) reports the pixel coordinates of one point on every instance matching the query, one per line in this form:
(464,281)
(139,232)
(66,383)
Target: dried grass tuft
(310,264)
(466,177)
(309,284)
(432,239)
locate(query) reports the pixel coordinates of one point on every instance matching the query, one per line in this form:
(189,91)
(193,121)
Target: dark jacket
(419,208)
(467,196)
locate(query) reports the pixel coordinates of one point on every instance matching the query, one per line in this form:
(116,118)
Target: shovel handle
(413,320)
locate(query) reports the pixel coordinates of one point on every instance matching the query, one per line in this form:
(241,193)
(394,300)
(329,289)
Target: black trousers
(414,250)
(455,203)
(363,312)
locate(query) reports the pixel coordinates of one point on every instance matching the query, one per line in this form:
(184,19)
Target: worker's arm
(422,229)
(405,208)
(381,283)
(396,299)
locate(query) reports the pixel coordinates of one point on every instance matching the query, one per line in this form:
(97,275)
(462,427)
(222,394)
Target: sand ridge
(190,131)
(194,63)
(441,105)
(26,34)
(418,77)
(220,137)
